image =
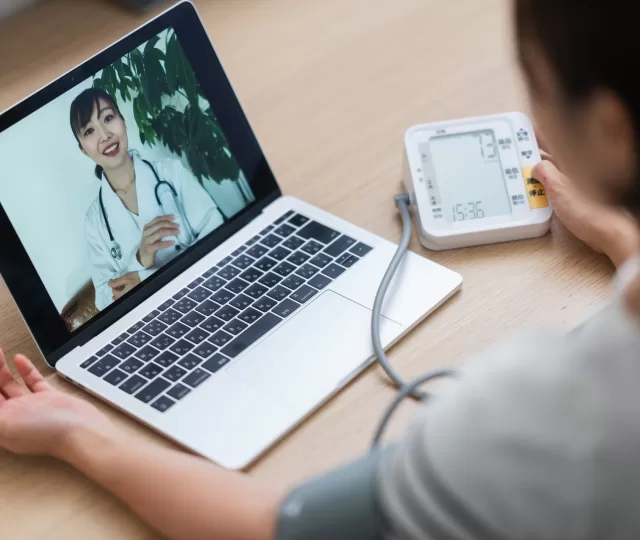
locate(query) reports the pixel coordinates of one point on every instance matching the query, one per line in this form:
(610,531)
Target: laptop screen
(117,177)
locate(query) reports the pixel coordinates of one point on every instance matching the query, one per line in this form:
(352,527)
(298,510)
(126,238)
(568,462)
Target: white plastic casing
(518,151)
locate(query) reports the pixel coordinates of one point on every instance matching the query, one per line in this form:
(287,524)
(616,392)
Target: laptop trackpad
(308,357)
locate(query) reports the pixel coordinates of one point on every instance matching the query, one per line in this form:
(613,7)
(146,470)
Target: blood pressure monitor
(470,181)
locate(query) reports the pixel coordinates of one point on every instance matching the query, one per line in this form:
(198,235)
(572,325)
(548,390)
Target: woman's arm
(182,496)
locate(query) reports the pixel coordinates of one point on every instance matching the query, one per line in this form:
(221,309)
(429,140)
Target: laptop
(158,266)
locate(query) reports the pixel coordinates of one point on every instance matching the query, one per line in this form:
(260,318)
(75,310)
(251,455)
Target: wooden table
(329,87)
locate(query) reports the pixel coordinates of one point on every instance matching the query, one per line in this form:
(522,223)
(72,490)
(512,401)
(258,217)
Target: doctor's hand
(152,235)
(124,284)
(36,419)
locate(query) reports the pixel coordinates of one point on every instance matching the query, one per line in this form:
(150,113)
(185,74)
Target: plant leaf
(151,44)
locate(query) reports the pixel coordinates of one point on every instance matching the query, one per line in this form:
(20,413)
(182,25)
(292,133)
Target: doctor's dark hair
(82,108)
(590,45)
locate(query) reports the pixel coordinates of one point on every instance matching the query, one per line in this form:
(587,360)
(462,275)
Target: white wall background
(47,185)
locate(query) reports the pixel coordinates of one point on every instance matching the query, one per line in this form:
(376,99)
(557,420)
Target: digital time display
(469,175)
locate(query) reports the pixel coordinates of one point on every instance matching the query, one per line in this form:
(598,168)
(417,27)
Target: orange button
(535,190)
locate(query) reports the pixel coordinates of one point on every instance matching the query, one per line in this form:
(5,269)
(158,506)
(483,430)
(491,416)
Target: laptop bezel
(18,272)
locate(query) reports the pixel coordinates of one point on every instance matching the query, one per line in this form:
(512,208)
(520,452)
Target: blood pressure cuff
(343,505)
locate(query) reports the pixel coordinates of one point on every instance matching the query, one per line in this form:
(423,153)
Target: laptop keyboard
(180,344)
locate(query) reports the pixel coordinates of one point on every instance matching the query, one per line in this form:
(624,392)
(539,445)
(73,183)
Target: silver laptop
(159,267)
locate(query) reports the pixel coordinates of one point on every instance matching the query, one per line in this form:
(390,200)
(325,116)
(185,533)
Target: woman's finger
(160,234)
(30,375)
(161,245)
(172,227)
(9,387)
(152,226)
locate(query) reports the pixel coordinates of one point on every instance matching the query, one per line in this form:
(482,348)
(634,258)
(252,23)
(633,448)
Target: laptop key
(241,301)
(340,245)
(317,231)
(190,361)
(136,327)
(178,330)
(104,365)
(163,404)
(285,308)
(181,347)
(307,271)
(166,358)
(152,390)
(243,262)
(319,281)
(174,373)
(237,285)
(333,271)
(196,336)
(235,327)
(123,351)
(251,315)
(271,240)
(311,247)
(360,249)
(199,294)
(252,241)
(303,294)
(283,217)
(170,316)
(178,391)
(284,269)
(229,272)
(165,305)
(147,353)
(250,275)
(185,305)
(222,297)
(298,220)
(120,338)
(320,260)
(88,362)
(132,365)
(193,319)
(292,282)
(252,334)
(266,230)
(209,272)
(347,260)
(207,307)
(293,242)
(133,384)
(265,303)
(115,377)
(280,253)
(205,350)
(181,293)
(299,258)
(214,283)
(225,261)
(150,371)
(220,338)
(270,280)
(227,313)
(284,230)
(215,363)
(108,347)
(139,339)
(155,328)
(279,293)
(196,377)
(266,263)
(151,316)
(257,251)
(195,283)
(256,290)
(162,342)
(212,324)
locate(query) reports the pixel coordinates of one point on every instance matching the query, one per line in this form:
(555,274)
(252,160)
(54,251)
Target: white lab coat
(194,210)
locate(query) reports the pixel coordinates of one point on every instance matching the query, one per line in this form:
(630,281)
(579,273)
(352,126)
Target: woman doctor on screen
(145,213)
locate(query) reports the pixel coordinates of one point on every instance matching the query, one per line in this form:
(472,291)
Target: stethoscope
(116,250)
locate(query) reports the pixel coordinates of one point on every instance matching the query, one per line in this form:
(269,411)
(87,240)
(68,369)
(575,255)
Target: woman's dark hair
(82,109)
(590,45)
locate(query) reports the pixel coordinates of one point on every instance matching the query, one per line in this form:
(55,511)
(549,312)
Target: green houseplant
(169,106)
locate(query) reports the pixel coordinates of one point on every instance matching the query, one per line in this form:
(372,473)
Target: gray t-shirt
(538,438)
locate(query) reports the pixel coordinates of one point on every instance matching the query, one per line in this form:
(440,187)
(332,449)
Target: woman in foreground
(538,438)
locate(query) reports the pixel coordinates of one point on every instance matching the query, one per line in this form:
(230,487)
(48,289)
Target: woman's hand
(604,228)
(35,419)
(152,236)
(124,284)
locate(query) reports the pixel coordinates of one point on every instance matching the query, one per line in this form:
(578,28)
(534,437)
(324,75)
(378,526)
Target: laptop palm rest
(311,355)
